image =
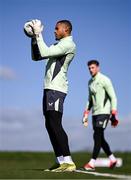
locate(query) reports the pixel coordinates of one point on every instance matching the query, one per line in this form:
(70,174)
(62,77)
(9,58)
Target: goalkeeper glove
(114,121)
(85,118)
(37,27)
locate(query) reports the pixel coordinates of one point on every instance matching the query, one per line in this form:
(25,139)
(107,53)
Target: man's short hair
(93,62)
(67,23)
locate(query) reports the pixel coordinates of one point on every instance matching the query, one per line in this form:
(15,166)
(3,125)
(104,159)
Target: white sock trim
(60,159)
(112,157)
(92,162)
(68,159)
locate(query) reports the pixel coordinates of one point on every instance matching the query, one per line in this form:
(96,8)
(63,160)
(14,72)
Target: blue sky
(101,30)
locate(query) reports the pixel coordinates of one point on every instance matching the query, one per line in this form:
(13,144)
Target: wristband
(114,112)
(86,112)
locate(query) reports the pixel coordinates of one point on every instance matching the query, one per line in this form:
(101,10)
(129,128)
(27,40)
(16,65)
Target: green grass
(30,165)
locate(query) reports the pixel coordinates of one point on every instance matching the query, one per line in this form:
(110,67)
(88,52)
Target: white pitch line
(105,174)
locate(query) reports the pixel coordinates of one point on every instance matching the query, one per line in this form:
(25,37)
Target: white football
(28,29)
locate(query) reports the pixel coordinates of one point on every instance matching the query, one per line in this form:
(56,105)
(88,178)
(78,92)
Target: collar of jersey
(96,76)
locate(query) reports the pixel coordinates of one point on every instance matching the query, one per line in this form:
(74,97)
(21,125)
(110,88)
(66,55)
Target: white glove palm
(37,27)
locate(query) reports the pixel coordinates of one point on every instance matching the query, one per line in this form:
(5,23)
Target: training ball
(28,29)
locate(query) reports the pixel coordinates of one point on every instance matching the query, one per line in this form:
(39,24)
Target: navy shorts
(53,100)
(100,121)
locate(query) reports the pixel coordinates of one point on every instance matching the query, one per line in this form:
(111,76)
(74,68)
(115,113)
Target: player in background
(103,102)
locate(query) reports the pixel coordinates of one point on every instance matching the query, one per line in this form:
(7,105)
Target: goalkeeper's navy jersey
(102,97)
(58,58)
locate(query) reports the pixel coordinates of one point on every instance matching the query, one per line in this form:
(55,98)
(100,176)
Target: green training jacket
(102,98)
(58,57)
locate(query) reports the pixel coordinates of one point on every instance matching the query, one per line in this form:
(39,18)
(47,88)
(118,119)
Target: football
(28,29)
(33,27)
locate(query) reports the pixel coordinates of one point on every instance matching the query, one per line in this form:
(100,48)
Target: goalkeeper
(102,100)
(59,56)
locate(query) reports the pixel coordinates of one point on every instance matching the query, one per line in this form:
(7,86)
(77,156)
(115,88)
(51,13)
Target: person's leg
(57,134)
(97,141)
(53,139)
(59,140)
(99,123)
(106,148)
(49,99)
(97,146)
(59,157)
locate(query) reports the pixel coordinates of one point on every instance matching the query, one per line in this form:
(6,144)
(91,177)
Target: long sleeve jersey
(58,58)
(102,98)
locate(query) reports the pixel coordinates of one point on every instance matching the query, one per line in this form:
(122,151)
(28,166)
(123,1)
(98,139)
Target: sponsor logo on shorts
(50,104)
(100,122)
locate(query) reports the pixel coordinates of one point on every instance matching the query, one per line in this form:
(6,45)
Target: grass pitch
(31,165)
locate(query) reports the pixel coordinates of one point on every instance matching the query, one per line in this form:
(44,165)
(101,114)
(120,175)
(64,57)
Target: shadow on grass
(33,169)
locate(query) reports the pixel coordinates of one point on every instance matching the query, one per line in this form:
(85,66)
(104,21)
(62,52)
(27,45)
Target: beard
(57,38)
